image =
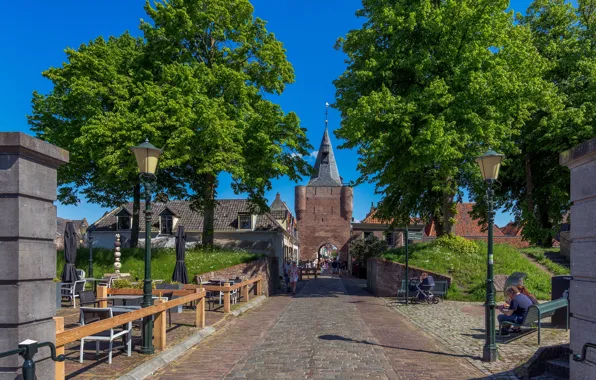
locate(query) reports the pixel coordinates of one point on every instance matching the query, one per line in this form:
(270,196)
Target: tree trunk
(529,186)
(448,214)
(438,226)
(136,211)
(209,211)
(546,224)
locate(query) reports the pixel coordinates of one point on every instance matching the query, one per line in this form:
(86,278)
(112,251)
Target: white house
(235,226)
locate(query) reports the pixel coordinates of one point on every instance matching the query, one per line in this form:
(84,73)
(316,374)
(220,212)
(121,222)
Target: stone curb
(254,303)
(150,367)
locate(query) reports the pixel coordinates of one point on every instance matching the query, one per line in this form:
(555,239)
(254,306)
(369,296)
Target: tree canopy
(430,85)
(195,86)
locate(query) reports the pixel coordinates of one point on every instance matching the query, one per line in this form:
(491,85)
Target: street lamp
(90,242)
(147,158)
(489,164)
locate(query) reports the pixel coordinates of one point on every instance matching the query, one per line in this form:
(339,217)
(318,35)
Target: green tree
(101,104)
(217,62)
(534,185)
(363,249)
(430,85)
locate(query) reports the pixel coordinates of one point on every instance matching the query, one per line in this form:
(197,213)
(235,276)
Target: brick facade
(324,216)
(383,276)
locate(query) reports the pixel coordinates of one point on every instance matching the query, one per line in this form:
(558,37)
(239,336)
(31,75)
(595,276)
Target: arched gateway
(324,207)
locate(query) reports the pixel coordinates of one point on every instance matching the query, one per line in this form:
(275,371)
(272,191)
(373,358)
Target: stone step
(557,258)
(558,367)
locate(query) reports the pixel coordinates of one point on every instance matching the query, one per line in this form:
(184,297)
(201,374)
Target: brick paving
(459,326)
(333,329)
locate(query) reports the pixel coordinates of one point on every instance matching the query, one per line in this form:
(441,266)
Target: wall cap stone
(579,154)
(21,144)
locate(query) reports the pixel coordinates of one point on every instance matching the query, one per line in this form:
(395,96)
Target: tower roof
(325,173)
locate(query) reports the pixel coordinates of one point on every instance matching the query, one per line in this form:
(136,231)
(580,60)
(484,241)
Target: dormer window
(167,221)
(244,222)
(124,220)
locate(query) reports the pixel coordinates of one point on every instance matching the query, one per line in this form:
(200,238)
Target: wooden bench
(538,312)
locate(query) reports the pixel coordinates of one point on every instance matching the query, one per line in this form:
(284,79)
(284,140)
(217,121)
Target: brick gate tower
(324,206)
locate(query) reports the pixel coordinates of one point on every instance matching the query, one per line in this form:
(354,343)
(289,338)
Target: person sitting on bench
(516,311)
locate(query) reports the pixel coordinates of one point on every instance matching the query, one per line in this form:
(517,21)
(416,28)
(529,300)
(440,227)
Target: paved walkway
(333,329)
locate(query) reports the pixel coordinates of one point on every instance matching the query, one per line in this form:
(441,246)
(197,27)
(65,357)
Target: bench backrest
(544,310)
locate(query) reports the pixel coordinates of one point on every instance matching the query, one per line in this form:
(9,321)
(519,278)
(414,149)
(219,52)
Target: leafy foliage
(534,185)
(363,249)
(467,266)
(196,86)
(440,81)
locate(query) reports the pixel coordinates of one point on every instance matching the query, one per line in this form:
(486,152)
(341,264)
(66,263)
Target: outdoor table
(123,298)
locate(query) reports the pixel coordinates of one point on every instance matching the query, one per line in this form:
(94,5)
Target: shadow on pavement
(341,338)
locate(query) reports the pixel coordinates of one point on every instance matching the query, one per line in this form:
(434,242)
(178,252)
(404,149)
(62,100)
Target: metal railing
(27,349)
(582,357)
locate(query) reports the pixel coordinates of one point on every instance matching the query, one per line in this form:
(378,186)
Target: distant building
(383,229)
(235,226)
(80,227)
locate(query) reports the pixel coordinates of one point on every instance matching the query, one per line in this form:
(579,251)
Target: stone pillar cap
(32,148)
(579,154)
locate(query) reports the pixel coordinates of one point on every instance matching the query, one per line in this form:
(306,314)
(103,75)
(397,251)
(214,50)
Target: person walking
(293,273)
(286,269)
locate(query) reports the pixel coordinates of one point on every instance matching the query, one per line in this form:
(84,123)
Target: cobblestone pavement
(460,327)
(333,329)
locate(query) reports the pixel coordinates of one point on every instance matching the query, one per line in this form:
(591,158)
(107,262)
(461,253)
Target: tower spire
(325,171)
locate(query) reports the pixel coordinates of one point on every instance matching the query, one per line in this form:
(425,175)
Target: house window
(389,239)
(124,223)
(167,224)
(367,234)
(245,222)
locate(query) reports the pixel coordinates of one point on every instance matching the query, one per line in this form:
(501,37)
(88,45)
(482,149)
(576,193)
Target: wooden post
(159,329)
(102,292)
(200,311)
(315,270)
(59,373)
(245,293)
(259,286)
(226,292)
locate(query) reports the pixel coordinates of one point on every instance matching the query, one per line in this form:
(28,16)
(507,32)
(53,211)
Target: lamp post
(90,242)
(147,158)
(489,164)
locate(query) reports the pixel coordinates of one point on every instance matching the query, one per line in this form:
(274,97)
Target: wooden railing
(159,329)
(226,288)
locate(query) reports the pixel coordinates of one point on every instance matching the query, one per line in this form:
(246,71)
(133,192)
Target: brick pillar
(27,252)
(581,161)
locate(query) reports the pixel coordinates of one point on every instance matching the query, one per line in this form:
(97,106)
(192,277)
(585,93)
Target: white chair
(71,290)
(92,314)
(81,274)
(109,282)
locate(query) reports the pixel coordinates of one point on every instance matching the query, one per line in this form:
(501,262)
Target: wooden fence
(190,293)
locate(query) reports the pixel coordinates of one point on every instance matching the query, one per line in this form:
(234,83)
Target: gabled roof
(511,229)
(325,171)
(78,224)
(372,218)
(226,216)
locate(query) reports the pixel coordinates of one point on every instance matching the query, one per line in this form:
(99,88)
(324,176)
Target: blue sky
(34,34)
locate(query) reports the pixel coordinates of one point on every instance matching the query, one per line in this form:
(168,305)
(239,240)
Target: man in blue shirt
(516,310)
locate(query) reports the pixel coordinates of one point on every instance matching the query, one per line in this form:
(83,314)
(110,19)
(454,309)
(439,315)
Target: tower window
(325,158)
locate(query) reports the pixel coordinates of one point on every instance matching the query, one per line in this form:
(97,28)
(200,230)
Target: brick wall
(383,276)
(324,216)
(263,267)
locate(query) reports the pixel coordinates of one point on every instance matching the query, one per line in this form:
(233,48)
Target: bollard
(226,292)
(102,292)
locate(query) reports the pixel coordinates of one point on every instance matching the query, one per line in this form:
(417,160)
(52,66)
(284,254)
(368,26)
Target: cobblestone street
(466,336)
(333,329)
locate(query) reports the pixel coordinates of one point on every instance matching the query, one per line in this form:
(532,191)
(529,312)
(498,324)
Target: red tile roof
(371,218)
(465,224)
(511,229)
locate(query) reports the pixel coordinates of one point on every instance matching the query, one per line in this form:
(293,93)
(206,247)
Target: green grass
(465,262)
(538,254)
(162,261)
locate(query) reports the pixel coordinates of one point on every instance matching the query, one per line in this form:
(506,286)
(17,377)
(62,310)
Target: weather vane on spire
(326,114)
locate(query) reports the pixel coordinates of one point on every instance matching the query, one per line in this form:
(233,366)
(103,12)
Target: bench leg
(539,326)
